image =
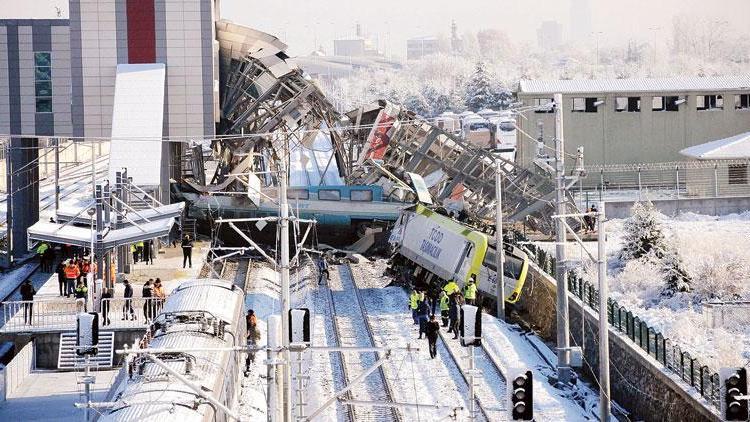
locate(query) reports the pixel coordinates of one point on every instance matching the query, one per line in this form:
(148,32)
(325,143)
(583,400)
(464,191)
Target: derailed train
(198,314)
(449,250)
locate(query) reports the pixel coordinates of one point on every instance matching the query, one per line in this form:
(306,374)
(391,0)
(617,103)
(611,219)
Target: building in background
(580,20)
(357,46)
(419,47)
(549,35)
(626,121)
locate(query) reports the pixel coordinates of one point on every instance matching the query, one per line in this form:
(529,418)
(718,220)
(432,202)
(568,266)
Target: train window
(507,126)
(329,195)
(361,195)
(298,194)
(511,269)
(478,126)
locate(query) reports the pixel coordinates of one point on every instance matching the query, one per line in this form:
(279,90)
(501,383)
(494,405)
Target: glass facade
(43,82)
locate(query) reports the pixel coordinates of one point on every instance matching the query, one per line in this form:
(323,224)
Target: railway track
(489,389)
(352,328)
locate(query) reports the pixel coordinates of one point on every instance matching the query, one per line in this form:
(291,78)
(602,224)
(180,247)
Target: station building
(627,121)
(58,79)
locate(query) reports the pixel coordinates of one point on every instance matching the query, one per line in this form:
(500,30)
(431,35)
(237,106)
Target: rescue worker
(41,252)
(423,315)
(433,293)
(470,291)
(444,307)
(27,295)
(134,251)
(433,328)
(413,305)
(451,287)
(71,275)
(85,270)
(81,293)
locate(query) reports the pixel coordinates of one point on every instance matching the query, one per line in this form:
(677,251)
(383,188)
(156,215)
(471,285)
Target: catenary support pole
(57,174)
(499,255)
(563,341)
(274,341)
(604,404)
(284,233)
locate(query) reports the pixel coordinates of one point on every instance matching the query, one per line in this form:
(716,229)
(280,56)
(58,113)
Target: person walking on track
(423,316)
(453,315)
(433,329)
(414,305)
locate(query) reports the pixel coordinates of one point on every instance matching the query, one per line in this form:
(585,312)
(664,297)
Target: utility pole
(472,394)
(604,405)
(99,232)
(284,220)
(563,340)
(499,255)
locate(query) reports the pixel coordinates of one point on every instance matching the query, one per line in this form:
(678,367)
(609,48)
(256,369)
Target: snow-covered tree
(643,233)
(416,102)
(676,278)
(479,93)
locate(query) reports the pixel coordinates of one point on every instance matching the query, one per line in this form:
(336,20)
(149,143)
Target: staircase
(67,358)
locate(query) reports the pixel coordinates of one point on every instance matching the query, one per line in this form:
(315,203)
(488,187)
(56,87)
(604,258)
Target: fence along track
(387,389)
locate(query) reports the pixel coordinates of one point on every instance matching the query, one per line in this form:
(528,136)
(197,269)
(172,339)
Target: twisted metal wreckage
(268,106)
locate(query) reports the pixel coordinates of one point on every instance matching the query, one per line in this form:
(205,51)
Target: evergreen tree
(644,235)
(479,93)
(416,102)
(676,278)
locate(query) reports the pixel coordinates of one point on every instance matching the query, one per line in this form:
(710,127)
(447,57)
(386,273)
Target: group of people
(143,251)
(449,300)
(72,281)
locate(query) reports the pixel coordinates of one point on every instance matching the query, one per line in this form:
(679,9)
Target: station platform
(49,396)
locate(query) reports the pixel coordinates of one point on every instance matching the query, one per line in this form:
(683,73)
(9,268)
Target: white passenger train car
(197,314)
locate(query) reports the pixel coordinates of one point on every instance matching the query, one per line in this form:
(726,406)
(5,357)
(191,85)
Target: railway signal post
(499,255)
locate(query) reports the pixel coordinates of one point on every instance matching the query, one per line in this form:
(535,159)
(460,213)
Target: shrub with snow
(643,233)
(675,276)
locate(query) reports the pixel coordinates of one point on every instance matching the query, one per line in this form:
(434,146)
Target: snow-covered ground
(715,252)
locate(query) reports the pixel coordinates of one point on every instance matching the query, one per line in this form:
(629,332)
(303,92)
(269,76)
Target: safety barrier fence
(668,180)
(60,314)
(666,351)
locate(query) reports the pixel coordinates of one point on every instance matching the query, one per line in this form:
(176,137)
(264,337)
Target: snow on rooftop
(34,9)
(679,84)
(732,148)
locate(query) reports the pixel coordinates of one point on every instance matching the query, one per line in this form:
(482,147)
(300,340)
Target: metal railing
(669,180)
(60,314)
(666,351)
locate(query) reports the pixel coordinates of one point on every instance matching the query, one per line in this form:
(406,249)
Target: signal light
(735,408)
(522,397)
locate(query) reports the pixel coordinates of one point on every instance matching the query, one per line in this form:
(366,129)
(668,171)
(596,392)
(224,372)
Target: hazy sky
(300,22)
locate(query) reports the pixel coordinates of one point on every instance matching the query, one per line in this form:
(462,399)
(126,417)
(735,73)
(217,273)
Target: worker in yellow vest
(450,288)
(444,307)
(414,300)
(470,292)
